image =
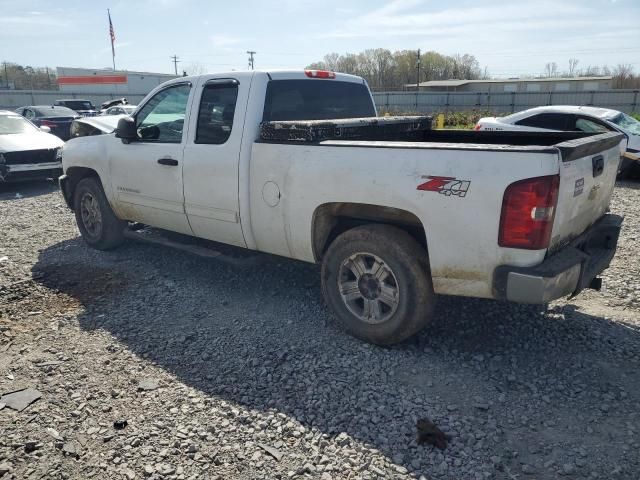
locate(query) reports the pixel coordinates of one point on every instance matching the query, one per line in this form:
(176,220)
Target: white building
(572,84)
(108,82)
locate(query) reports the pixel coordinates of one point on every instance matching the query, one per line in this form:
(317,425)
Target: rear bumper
(566,272)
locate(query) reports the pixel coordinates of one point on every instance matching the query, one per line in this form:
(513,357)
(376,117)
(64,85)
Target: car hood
(104,123)
(634,142)
(19,142)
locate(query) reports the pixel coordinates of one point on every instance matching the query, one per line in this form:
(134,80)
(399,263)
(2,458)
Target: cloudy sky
(509,37)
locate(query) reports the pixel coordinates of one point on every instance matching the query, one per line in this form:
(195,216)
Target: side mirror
(126,129)
(45,129)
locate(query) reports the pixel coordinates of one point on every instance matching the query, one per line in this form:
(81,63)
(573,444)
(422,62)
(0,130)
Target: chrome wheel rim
(91,215)
(369,288)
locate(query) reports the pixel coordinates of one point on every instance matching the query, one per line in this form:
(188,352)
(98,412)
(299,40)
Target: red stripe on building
(92,80)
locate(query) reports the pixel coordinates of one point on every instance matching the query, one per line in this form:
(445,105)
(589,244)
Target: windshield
(78,104)
(10,124)
(316,100)
(627,123)
(55,112)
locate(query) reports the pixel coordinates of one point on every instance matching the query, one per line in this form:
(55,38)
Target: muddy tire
(376,280)
(98,225)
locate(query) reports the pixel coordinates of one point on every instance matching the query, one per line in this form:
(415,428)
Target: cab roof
(272,74)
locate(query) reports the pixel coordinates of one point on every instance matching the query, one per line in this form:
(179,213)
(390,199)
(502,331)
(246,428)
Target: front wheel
(376,280)
(98,225)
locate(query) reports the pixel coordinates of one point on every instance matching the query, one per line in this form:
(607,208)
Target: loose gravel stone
(243,362)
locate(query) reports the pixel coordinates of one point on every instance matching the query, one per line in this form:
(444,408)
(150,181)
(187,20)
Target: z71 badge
(446,186)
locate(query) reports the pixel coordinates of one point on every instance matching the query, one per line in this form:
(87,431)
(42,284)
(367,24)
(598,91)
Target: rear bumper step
(566,272)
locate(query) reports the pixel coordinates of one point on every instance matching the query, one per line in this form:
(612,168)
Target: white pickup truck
(512,216)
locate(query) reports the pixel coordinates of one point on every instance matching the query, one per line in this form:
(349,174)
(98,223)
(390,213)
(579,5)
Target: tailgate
(588,172)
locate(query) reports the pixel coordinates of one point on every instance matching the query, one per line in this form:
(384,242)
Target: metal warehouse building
(518,85)
(114,82)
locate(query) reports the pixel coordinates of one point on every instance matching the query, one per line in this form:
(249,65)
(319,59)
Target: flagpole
(112,38)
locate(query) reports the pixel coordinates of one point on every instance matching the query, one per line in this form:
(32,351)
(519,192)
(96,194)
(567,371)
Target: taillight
(319,74)
(528,210)
(47,123)
(477,127)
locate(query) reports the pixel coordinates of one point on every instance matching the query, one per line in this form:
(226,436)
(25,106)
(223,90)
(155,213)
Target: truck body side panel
(459,210)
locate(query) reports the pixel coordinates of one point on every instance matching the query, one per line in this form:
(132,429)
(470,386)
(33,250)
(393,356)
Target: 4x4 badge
(446,185)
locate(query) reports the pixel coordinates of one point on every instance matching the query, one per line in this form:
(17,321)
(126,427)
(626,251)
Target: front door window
(161,119)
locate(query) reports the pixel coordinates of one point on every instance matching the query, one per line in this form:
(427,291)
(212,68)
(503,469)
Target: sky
(509,38)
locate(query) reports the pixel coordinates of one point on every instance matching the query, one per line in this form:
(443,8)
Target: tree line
(27,77)
(623,75)
(384,69)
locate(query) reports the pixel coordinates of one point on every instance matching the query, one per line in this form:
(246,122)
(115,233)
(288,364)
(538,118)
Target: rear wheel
(98,225)
(375,278)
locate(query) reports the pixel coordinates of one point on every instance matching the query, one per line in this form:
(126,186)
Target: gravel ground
(154,364)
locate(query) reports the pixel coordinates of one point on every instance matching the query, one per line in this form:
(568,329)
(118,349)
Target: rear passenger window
(215,116)
(551,121)
(587,125)
(316,100)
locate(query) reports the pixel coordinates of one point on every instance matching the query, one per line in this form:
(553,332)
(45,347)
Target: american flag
(112,34)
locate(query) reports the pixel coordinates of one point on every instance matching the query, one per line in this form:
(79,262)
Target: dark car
(58,119)
(83,107)
(113,103)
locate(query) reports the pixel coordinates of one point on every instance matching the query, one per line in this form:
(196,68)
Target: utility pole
(251,54)
(175,63)
(418,67)
(6,75)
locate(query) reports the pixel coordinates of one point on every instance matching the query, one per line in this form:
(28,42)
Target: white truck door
(147,173)
(211,159)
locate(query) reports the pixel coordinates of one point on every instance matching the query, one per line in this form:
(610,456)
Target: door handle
(172,162)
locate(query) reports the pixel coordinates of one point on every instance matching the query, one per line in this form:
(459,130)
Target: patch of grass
(636,116)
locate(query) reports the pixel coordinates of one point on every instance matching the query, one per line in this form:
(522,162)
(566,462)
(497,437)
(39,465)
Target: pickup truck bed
(402,129)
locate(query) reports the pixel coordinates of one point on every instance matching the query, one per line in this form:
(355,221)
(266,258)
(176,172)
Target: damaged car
(87,126)
(26,151)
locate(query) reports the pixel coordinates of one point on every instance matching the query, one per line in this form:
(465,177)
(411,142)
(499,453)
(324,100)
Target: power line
(175,63)
(251,54)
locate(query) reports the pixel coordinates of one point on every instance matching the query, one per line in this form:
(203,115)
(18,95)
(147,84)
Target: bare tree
(331,61)
(551,69)
(195,68)
(623,76)
(573,64)
(591,71)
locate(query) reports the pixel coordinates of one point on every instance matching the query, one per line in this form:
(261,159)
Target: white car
(120,110)
(571,118)
(27,151)
(85,126)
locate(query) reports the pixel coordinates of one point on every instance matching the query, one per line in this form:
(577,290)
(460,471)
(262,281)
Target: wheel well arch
(75,174)
(332,219)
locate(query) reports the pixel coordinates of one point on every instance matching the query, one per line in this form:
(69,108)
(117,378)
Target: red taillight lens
(319,74)
(528,210)
(477,127)
(47,123)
